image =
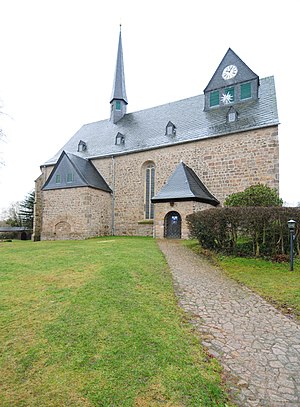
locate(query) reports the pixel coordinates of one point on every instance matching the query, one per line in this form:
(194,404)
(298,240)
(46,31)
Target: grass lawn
(273,281)
(96,323)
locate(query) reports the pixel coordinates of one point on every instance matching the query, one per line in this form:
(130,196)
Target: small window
(118,105)
(214,98)
(246,91)
(70,177)
(81,146)
(120,139)
(170,129)
(58,179)
(232,115)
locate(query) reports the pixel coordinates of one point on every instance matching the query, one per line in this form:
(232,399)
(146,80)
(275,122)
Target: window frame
(120,139)
(232,115)
(170,129)
(215,94)
(149,187)
(242,86)
(69,177)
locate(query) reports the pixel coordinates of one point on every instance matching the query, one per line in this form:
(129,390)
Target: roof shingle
(145,129)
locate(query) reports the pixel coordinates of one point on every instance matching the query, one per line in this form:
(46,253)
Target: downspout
(113,197)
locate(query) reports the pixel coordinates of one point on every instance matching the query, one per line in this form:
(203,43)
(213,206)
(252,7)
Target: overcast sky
(57,63)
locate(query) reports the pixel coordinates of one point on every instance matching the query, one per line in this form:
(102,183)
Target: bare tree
(11,215)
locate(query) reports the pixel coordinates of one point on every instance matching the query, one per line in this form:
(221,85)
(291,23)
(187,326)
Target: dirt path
(257,345)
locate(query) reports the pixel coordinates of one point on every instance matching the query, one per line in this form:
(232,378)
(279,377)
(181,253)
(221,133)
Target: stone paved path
(258,346)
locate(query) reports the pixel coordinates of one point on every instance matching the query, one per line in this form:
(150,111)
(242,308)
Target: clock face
(229,72)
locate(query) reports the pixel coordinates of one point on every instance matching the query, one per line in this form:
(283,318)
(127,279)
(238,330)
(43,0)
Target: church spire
(118,98)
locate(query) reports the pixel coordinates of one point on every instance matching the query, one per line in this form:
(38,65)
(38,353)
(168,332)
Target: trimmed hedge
(244,231)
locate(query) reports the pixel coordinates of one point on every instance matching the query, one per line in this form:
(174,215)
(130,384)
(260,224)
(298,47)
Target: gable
(72,171)
(232,83)
(243,73)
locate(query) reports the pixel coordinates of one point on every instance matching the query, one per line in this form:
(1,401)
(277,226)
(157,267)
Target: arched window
(149,190)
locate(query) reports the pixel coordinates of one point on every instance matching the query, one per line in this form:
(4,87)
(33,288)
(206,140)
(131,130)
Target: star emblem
(226,98)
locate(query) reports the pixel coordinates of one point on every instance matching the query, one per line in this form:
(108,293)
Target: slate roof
(14,229)
(146,129)
(184,185)
(85,174)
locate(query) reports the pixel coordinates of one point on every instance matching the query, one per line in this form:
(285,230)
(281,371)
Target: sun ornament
(226,98)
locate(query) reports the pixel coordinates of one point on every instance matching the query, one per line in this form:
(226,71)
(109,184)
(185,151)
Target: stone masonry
(183,208)
(225,164)
(68,214)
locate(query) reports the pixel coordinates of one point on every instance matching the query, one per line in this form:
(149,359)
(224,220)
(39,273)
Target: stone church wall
(75,213)
(183,208)
(225,164)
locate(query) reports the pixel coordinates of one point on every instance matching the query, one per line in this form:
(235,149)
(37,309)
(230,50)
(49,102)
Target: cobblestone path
(258,346)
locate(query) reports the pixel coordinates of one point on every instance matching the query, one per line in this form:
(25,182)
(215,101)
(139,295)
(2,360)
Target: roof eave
(186,199)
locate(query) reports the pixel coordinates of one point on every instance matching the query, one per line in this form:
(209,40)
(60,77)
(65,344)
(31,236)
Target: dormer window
(81,146)
(120,139)
(232,115)
(170,129)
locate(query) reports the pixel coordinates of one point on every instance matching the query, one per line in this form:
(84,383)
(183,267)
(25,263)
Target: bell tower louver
(118,100)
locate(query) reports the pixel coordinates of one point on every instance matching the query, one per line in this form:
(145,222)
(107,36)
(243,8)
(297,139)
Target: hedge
(258,231)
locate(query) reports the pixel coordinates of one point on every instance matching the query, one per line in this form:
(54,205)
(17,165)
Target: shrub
(258,231)
(256,195)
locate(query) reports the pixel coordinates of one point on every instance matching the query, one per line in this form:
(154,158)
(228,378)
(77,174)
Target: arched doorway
(172,225)
(23,236)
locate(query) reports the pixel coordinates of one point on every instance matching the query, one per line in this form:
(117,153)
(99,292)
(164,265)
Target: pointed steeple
(118,98)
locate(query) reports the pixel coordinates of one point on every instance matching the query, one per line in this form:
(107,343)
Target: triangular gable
(72,171)
(184,185)
(244,72)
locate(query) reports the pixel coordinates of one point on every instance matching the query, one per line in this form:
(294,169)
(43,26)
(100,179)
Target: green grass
(96,323)
(273,281)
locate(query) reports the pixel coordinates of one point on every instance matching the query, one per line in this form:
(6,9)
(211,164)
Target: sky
(57,64)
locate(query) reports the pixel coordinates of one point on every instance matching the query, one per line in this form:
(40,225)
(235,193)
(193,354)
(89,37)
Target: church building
(142,173)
